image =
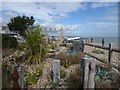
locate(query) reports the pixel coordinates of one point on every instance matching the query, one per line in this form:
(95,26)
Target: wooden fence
(109,48)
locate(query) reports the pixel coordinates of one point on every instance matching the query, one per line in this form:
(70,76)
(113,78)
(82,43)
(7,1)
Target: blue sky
(97,19)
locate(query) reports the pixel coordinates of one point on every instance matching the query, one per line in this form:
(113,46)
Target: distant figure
(91,40)
(103,42)
(86,40)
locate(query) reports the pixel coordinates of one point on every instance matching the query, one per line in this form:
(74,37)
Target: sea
(115,41)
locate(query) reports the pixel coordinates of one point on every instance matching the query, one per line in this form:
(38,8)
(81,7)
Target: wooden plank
(95,57)
(116,50)
(102,47)
(116,67)
(101,60)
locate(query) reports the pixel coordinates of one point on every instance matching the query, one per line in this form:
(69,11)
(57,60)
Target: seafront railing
(109,49)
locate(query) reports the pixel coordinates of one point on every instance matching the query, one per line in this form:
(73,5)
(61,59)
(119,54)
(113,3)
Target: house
(5,30)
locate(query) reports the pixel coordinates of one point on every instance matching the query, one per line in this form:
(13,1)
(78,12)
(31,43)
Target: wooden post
(88,72)
(56,70)
(21,75)
(109,53)
(15,77)
(82,46)
(82,65)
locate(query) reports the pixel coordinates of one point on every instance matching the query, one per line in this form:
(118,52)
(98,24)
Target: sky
(84,19)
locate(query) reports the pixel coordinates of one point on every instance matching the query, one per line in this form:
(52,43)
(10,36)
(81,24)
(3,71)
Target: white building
(4,30)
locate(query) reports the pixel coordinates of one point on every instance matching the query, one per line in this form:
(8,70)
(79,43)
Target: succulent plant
(103,77)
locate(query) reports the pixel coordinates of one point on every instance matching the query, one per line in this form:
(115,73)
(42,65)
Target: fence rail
(109,48)
(102,47)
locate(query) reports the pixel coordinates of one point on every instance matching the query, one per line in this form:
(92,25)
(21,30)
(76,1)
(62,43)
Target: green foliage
(75,79)
(39,71)
(98,51)
(35,46)
(31,79)
(32,76)
(54,46)
(20,23)
(62,73)
(64,44)
(6,75)
(7,51)
(9,42)
(66,63)
(103,78)
(67,60)
(72,52)
(54,85)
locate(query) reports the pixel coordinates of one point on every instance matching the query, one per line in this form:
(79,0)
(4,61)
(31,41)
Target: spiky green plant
(35,46)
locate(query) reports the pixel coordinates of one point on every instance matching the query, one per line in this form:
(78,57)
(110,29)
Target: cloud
(103,23)
(101,4)
(47,12)
(60,0)
(102,28)
(1,20)
(72,27)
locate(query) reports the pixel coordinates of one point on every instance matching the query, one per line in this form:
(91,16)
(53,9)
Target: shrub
(67,60)
(106,78)
(31,79)
(75,79)
(103,78)
(7,51)
(35,46)
(64,44)
(32,76)
(39,71)
(9,42)
(54,85)
(62,73)
(66,63)
(54,46)
(6,75)
(98,51)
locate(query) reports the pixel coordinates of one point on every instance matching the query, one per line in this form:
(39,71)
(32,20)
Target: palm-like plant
(35,46)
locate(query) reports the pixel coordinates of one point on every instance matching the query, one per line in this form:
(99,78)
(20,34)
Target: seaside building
(4,29)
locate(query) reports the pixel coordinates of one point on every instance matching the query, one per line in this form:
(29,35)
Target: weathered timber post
(56,70)
(82,65)
(83,46)
(110,53)
(20,70)
(88,72)
(15,77)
